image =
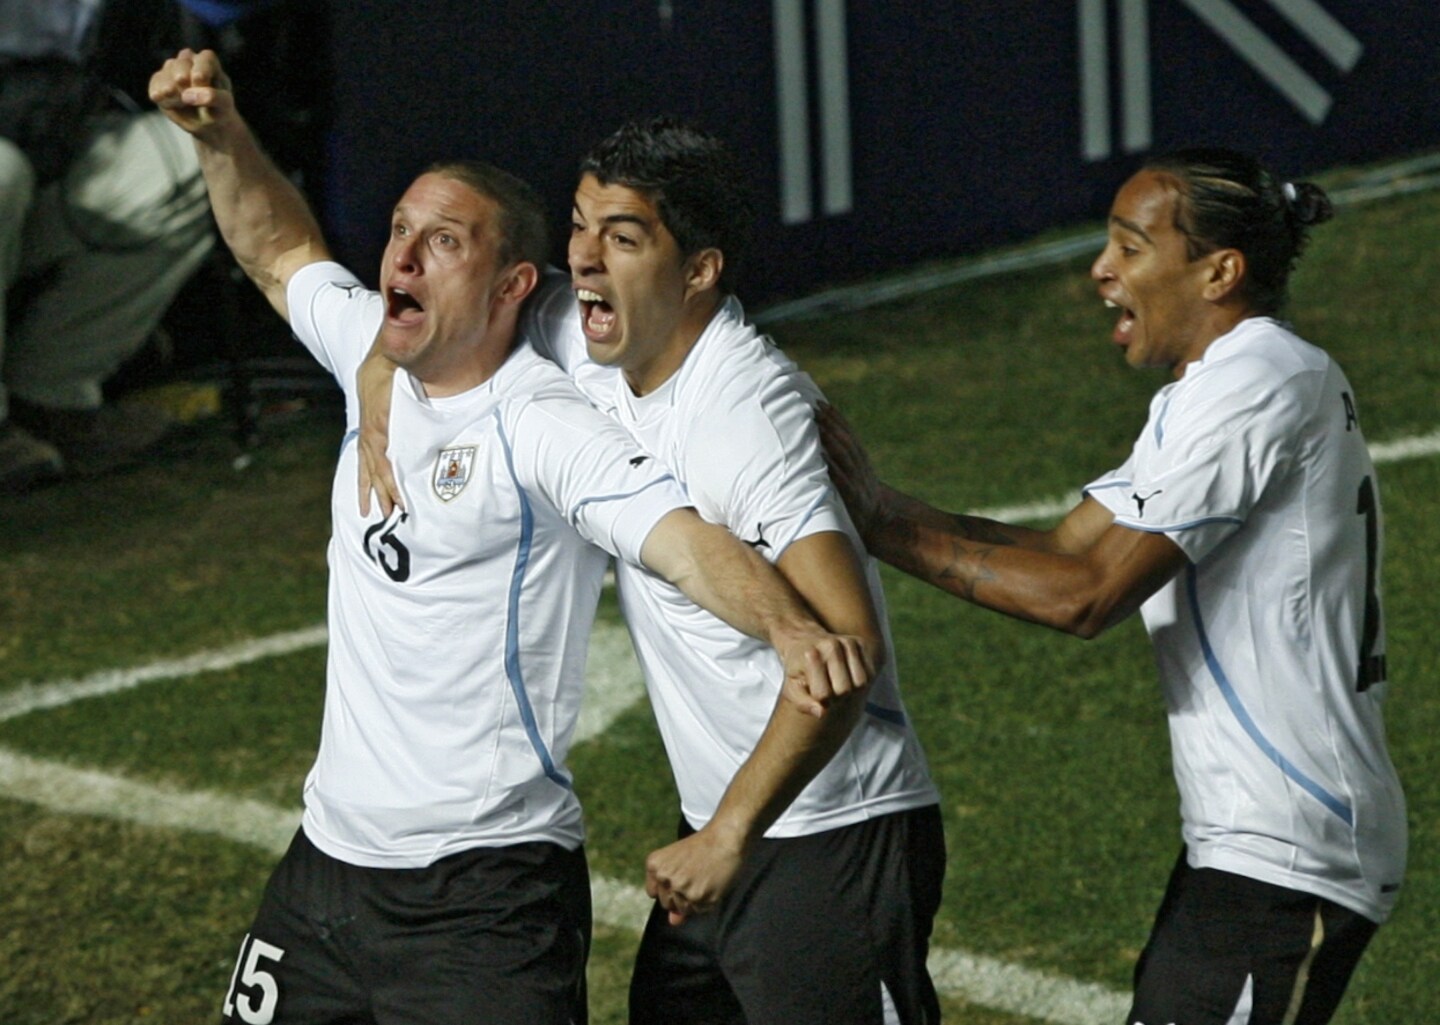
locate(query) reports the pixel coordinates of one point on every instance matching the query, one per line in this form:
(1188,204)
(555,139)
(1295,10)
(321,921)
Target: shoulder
(1261,368)
(324,281)
(737,372)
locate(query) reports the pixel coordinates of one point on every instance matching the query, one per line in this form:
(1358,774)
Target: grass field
(142,802)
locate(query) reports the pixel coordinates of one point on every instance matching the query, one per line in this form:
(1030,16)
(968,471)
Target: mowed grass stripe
(61,788)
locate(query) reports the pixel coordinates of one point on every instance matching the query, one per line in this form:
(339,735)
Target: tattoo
(972,540)
(966,569)
(972,528)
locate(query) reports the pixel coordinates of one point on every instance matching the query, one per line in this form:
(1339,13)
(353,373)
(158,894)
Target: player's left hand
(822,667)
(689,876)
(372,384)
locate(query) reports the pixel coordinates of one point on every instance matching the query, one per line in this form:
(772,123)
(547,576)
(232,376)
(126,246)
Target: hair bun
(1308,202)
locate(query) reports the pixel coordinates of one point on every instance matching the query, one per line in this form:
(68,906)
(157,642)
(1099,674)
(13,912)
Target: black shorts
(499,935)
(808,933)
(1222,942)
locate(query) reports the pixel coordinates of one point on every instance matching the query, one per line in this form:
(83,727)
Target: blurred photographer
(103,217)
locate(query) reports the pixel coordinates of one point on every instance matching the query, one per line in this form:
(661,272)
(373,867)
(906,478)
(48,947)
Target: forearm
(262,216)
(793,749)
(897,515)
(1082,577)
(727,578)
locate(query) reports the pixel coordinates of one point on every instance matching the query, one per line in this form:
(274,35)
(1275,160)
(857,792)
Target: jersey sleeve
(334,316)
(1206,458)
(592,472)
(758,467)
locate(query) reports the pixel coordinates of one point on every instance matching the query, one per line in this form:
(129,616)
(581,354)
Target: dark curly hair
(692,178)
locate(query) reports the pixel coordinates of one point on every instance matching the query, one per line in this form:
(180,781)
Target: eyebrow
(1131,226)
(459,222)
(641,222)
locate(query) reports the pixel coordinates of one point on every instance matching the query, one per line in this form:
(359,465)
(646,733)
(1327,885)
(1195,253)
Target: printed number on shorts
(253,992)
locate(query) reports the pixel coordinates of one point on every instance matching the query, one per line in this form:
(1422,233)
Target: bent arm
(691,875)
(261,215)
(377,475)
(729,579)
(1081,577)
(825,571)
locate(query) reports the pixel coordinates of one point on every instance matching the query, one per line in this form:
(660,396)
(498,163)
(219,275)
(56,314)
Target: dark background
(964,117)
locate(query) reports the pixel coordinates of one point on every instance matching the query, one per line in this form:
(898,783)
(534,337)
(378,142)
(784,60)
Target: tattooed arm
(1081,577)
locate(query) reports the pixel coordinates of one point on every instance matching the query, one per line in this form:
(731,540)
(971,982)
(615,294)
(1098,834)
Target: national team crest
(452,471)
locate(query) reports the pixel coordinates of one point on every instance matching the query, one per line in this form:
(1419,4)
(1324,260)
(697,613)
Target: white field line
(613,684)
(1052,508)
(61,788)
(29,697)
(613,681)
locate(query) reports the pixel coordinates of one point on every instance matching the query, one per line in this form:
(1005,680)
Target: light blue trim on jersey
(512,619)
(1315,790)
(891,715)
(825,493)
(622,496)
(1165,528)
(349,437)
(1160,421)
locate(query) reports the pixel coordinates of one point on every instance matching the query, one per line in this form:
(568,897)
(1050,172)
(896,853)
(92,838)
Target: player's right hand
(193,91)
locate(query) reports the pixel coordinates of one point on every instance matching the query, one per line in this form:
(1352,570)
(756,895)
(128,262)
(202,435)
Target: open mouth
(596,314)
(1126,322)
(401,305)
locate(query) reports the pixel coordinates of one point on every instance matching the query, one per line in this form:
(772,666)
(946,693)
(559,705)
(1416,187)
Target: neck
(699,311)
(1224,320)
(472,370)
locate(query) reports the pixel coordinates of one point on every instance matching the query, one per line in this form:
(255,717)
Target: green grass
(1050,753)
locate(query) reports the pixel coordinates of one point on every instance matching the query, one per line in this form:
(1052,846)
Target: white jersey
(735,425)
(1271,644)
(458,628)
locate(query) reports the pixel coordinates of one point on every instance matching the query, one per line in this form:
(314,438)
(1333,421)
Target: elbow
(1083,615)
(1086,629)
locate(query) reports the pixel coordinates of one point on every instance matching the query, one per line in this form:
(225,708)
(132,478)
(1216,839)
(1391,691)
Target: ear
(517,283)
(702,271)
(1227,270)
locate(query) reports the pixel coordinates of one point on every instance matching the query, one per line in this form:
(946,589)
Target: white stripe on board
(62,788)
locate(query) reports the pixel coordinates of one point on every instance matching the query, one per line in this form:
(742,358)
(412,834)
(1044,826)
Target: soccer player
(439,874)
(1245,527)
(814,843)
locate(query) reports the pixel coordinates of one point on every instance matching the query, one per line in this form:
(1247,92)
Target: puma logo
(1140,501)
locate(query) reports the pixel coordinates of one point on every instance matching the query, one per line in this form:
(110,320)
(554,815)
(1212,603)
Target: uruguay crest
(452,471)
